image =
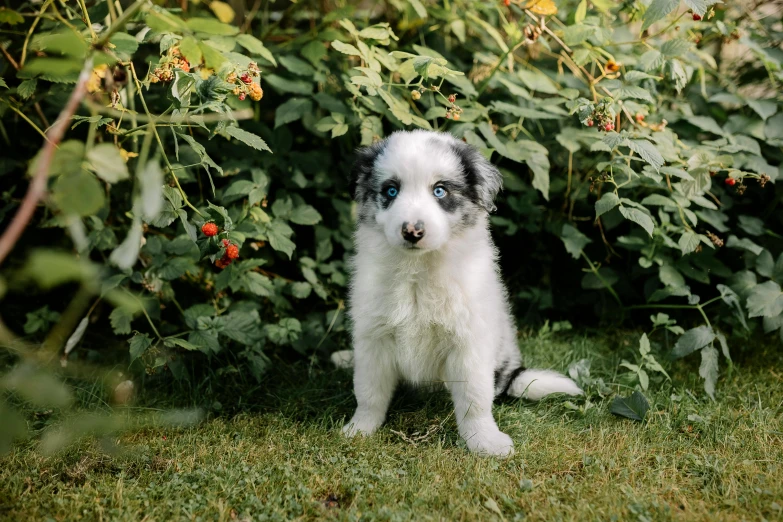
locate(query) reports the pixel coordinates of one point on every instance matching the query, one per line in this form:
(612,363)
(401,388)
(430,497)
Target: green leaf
(658,9)
(607,202)
(10,17)
(706,123)
(199,149)
(419,8)
(675,47)
(765,300)
(254,46)
(692,340)
(190,49)
(573,240)
(688,242)
(700,6)
(279,240)
(292,110)
(537,81)
(213,58)
(647,151)
(633,91)
(638,217)
(293,86)
(297,66)
(106,161)
(124,44)
(248,138)
(27,88)
(634,407)
(305,215)
(211,26)
(345,48)
(581,12)
(708,370)
(139,344)
(78,193)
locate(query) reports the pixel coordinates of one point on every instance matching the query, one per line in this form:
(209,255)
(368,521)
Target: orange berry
(209,229)
(232,251)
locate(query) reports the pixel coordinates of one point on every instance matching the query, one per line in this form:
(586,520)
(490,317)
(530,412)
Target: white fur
(437,313)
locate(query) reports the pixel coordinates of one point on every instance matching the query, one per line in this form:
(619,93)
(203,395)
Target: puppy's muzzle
(413,233)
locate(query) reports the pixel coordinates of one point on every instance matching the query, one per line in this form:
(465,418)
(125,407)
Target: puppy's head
(422,188)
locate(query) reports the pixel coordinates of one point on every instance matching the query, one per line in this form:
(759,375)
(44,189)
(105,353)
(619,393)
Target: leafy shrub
(644,137)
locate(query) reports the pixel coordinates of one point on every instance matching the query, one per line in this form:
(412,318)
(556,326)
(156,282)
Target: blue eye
(392,192)
(439,192)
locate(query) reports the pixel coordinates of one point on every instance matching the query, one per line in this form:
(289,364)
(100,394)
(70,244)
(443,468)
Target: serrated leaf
(292,110)
(688,242)
(648,152)
(255,46)
(708,370)
(345,48)
(27,88)
(248,138)
(634,407)
(692,340)
(106,161)
(638,217)
(675,47)
(574,240)
(658,9)
(607,202)
(211,26)
(765,300)
(633,91)
(189,48)
(139,344)
(305,215)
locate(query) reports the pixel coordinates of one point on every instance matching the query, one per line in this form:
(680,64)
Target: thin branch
(37,187)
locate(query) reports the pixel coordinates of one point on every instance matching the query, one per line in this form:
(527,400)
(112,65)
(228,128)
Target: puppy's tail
(537,384)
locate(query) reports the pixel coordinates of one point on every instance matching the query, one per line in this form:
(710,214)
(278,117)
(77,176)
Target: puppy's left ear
(481,175)
(361,172)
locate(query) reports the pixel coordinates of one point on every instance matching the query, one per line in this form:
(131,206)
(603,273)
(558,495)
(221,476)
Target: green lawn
(275,453)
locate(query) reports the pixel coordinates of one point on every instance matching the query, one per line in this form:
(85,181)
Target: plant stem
(160,142)
(28,120)
(594,270)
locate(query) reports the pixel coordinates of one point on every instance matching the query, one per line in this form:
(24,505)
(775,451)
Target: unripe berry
(416,95)
(232,251)
(456,117)
(209,229)
(640,117)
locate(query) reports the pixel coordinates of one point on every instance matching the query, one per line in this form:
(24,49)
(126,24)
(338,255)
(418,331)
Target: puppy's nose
(413,233)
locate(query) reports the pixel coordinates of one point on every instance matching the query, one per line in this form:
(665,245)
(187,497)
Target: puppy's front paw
(362,424)
(490,442)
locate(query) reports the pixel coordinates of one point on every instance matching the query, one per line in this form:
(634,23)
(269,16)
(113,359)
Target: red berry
(246,78)
(590,123)
(232,251)
(226,242)
(209,229)
(507,2)
(223,262)
(242,96)
(608,127)
(640,117)
(452,98)
(731,182)
(448,115)
(696,17)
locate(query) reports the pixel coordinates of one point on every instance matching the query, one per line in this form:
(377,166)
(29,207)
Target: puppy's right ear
(361,173)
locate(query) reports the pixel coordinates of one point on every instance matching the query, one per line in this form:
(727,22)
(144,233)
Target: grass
(279,456)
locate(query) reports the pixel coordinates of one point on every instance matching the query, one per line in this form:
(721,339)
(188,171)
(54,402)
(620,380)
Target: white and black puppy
(426,299)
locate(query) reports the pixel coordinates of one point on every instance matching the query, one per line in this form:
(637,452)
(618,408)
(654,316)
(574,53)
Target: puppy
(426,300)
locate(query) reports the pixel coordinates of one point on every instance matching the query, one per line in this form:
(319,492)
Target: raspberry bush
(190,198)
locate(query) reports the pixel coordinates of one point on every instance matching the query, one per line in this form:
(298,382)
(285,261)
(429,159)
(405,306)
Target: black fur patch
(361,183)
(454,198)
(510,379)
(383,199)
(479,173)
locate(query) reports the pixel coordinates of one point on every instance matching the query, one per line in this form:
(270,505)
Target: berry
(731,182)
(590,123)
(242,96)
(456,117)
(452,98)
(209,229)
(232,251)
(448,115)
(640,117)
(696,17)
(507,2)
(226,242)
(416,95)
(246,78)
(612,66)
(223,262)
(609,127)
(712,173)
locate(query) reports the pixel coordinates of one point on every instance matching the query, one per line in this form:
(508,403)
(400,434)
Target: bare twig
(37,187)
